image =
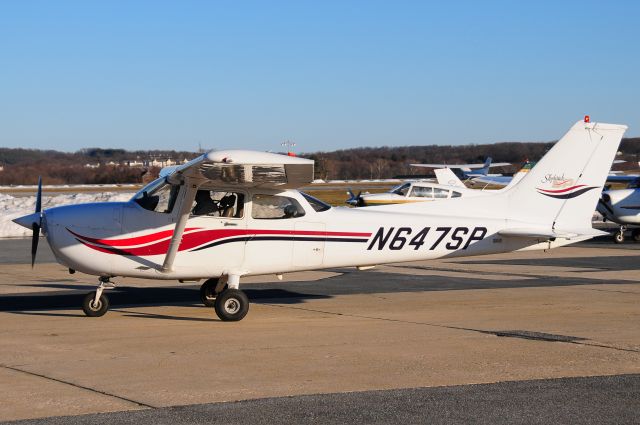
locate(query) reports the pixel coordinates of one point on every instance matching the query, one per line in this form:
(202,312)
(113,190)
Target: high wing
(461,166)
(247,169)
(233,167)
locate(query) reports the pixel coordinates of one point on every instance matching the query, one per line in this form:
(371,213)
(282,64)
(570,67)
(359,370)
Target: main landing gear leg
(210,289)
(96,303)
(232,304)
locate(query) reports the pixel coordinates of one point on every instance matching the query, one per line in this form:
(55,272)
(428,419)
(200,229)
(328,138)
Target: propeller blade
(35,238)
(39,195)
(34,242)
(605,205)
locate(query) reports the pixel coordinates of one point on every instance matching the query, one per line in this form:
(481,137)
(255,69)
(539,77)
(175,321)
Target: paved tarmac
(592,400)
(534,337)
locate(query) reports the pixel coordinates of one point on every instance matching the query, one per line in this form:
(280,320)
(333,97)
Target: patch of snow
(13,207)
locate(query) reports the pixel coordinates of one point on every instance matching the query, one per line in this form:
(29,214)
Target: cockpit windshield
(401,189)
(159,196)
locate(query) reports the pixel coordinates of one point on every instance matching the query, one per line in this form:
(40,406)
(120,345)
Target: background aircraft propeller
(355,200)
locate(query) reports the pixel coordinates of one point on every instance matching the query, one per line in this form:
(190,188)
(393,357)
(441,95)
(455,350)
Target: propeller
(355,200)
(607,211)
(36,226)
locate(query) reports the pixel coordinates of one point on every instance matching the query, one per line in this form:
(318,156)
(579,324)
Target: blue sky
(327,75)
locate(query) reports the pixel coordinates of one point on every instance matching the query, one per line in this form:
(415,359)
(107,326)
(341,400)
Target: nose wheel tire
(93,309)
(208,292)
(231,305)
(636,235)
(618,237)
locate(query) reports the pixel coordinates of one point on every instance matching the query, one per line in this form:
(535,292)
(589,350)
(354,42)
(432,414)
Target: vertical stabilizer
(563,188)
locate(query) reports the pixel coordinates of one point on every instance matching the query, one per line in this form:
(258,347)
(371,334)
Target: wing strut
(176,239)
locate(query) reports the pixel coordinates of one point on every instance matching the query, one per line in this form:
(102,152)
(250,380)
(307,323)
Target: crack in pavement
(485,273)
(61,381)
(459,328)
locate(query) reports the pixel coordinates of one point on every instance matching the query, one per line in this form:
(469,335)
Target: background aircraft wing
(622,178)
(462,166)
(493,180)
(248,169)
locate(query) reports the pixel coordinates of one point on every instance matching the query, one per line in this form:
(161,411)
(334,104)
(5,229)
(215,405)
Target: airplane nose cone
(28,220)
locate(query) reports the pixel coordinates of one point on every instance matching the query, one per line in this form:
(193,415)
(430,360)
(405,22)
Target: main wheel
(636,235)
(231,305)
(92,309)
(618,237)
(208,292)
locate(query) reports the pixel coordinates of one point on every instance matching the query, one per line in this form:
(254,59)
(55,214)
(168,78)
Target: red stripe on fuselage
(138,240)
(194,239)
(562,190)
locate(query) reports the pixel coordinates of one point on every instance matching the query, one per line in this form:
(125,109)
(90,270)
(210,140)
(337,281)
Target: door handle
(227,223)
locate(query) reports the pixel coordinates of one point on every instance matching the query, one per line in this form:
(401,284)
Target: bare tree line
(23,166)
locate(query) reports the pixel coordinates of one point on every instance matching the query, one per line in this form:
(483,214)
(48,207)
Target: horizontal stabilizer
(538,232)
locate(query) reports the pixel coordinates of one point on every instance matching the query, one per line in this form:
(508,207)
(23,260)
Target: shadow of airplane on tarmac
(139,297)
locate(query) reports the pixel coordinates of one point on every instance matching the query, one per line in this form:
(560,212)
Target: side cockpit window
(274,207)
(218,204)
(159,196)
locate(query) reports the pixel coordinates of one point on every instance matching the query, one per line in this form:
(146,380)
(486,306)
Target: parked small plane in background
(622,206)
(469,170)
(448,186)
(229,214)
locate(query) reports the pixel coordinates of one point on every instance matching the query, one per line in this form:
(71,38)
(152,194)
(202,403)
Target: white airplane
(469,170)
(412,191)
(448,186)
(253,222)
(622,206)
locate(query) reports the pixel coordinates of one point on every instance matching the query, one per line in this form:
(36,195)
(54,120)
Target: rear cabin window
(274,207)
(455,194)
(422,192)
(214,203)
(440,193)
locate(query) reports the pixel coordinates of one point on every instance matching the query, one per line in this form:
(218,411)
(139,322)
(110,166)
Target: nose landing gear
(96,304)
(618,237)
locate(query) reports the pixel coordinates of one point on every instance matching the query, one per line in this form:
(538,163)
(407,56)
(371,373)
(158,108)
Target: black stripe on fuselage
(279,238)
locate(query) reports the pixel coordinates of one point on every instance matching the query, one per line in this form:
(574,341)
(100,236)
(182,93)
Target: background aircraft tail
(485,168)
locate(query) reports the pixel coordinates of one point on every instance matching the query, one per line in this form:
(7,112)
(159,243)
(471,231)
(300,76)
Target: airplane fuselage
(124,239)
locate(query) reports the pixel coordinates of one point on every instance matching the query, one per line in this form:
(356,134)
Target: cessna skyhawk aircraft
(248,220)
